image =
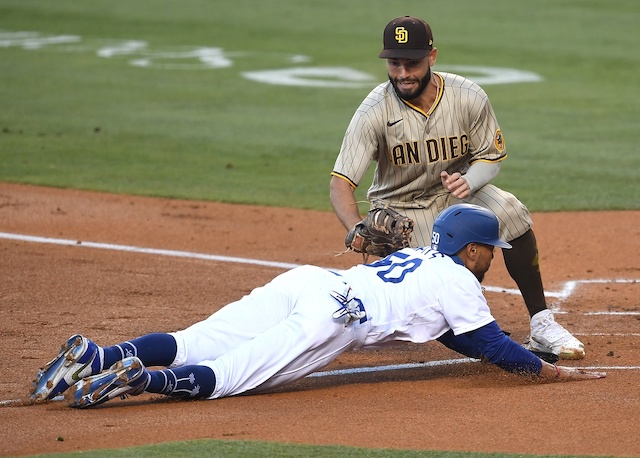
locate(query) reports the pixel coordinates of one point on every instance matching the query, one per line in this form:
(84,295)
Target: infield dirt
(589,263)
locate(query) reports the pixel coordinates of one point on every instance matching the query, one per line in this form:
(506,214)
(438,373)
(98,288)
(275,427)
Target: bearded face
(411,82)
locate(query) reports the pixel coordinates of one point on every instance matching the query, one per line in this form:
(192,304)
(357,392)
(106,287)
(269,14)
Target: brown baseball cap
(406,37)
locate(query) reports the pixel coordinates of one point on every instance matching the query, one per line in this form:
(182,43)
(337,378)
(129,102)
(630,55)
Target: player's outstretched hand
(554,372)
(575,373)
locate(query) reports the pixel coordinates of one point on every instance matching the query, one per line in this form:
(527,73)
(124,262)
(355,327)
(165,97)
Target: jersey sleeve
(361,142)
(486,139)
(464,307)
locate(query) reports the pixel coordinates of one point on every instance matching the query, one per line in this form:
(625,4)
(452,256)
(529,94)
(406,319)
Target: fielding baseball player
(436,141)
(307,317)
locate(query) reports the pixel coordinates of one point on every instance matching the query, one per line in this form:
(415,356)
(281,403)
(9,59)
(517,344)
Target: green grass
(249,449)
(70,118)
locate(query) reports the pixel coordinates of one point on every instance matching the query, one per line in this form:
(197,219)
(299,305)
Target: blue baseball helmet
(461,224)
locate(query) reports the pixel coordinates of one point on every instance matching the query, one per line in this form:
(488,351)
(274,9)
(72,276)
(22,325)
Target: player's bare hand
(553,372)
(575,373)
(456,184)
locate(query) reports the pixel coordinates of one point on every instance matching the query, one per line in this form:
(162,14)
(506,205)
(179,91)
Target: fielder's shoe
(126,377)
(72,364)
(549,336)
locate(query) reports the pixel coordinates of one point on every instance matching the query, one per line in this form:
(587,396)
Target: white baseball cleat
(549,336)
(125,377)
(74,361)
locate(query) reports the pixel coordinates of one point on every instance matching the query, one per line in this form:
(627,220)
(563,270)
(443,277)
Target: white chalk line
(568,289)
(135,249)
(564,293)
(392,367)
(445,362)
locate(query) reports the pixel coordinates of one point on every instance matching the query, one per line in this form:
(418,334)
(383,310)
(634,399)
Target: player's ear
(469,255)
(433,54)
(472,250)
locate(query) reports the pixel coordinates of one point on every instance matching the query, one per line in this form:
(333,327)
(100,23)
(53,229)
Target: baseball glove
(382,232)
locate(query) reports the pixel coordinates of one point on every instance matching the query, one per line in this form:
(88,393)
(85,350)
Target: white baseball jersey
(412,147)
(286,329)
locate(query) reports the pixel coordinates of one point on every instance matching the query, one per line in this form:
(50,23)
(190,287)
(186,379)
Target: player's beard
(406,95)
(482,267)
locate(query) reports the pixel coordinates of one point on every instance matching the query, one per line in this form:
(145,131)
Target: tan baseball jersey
(411,147)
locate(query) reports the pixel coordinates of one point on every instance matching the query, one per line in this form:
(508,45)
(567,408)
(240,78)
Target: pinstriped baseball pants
(512,214)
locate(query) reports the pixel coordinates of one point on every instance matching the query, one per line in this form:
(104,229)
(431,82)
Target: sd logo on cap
(406,38)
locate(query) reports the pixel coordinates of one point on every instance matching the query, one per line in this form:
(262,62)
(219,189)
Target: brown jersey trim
(339,175)
(491,161)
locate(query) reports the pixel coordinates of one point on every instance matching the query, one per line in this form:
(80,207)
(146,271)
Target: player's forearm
(507,354)
(343,201)
(491,343)
(481,173)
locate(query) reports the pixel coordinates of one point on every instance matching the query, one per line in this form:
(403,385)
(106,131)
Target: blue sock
(189,382)
(158,349)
